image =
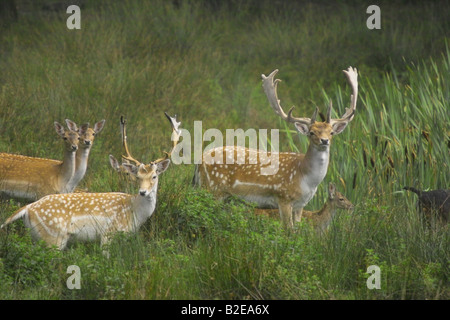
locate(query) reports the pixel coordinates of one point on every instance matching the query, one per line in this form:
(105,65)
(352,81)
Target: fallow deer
(295,182)
(87,136)
(32,178)
(322,218)
(59,218)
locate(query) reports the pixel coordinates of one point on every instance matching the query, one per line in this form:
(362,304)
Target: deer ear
(162,166)
(130,168)
(99,126)
(59,129)
(331,190)
(302,128)
(83,129)
(114,163)
(338,127)
(71,125)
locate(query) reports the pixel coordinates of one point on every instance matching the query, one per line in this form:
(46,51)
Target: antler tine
(270,89)
(127,157)
(176,132)
(330,106)
(352,77)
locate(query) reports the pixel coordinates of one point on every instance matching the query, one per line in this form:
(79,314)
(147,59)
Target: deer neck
(328,211)
(81,161)
(315,165)
(143,207)
(67,171)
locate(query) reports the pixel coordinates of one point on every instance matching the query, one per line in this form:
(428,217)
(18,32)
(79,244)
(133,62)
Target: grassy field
(202,61)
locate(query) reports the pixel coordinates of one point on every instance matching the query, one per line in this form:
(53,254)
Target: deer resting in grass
(58,218)
(32,178)
(294,184)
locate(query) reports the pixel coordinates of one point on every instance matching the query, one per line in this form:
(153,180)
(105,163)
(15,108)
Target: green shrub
(30,265)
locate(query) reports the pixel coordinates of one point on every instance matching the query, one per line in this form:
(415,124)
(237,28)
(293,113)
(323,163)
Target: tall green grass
(400,134)
(204,62)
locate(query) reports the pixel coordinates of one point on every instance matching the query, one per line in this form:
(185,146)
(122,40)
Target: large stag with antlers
(58,218)
(294,182)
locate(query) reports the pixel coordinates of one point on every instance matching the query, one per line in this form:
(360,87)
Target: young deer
(58,218)
(292,186)
(32,178)
(322,218)
(87,136)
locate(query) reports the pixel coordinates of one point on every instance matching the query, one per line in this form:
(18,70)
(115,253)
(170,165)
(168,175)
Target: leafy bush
(30,265)
(200,215)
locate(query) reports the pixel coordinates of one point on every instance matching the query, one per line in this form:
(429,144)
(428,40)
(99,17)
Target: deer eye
(311,133)
(154,177)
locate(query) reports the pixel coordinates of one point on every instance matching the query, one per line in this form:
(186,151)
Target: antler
(352,77)
(127,157)
(176,132)
(270,89)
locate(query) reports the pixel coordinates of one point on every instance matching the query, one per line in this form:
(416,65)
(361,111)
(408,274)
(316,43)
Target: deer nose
(325,141)
(74,147)
(87,142)
(142,192)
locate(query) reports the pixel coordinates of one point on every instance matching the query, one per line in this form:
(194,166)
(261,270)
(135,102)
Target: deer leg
(104,244)
(63,242)
(297,214)
(60,241)
(285,209)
